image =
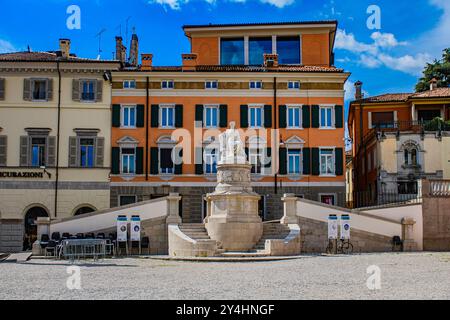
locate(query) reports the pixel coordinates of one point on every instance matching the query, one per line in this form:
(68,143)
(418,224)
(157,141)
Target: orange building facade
(276,82)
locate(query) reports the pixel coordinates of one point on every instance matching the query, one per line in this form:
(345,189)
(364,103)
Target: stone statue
(231,146)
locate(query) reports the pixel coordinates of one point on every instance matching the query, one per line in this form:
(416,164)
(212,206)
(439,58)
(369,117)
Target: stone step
(253,253)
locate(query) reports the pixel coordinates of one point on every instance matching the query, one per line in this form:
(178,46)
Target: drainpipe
(274,152)
(146,126)
(57,138)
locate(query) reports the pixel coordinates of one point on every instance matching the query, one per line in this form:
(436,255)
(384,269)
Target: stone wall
(156,230)
(11,235)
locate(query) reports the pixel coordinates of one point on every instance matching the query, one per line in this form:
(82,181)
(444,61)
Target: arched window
(83,210)
(410,153)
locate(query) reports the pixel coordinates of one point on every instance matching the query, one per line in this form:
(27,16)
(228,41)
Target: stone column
(407,234)
(43,227)
(173,200)
(289,208)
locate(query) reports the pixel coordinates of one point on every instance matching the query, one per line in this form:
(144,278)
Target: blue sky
(386,60)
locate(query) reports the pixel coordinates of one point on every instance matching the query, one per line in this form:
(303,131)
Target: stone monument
(232,211)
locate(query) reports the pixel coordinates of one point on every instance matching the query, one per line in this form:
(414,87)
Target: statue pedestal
(232,219)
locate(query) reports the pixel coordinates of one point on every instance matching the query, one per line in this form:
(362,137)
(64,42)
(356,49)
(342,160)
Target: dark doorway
(262,208)
(83,210)
(428,115)
(30,226)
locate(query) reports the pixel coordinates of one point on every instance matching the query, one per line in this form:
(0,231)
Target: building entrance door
(30,226)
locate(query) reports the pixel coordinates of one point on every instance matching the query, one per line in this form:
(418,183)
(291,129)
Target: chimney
(270,60)
(64,47)
(189,61)
(358,90)
(134,50)
(147,62)
(120,50)
(433,84)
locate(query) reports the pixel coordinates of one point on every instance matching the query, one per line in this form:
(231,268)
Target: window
(88,90)
(326,162)
(255,117)
(326,115)
(87,152)
(167,84)
(211,116)
(129,84)
(254,158)
(256,84)
(293,85)
(294,114)
(129,116)
(125,200)
(38,151)
(328,199)
(407,187)
(257,48)
(210,161)
(383,119)
(39,90)
(410,157)
(167,116)
(232,51)
(128,160)
(211,84)
(288,50)
(166,163)
(294,166)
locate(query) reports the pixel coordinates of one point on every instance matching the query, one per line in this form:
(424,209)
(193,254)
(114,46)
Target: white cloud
(407,63)
(369,61)
(348,42)
(6,46)
(177,4)
(278,3)
(385,40)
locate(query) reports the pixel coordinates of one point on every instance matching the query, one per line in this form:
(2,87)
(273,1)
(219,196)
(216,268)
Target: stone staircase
(195,231)
(272,230)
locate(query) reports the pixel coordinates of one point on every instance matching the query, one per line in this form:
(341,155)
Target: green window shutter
(24,151)
(223,116)
(49,89)
(198,160)
(339,161)
(140,116)
(282,161)
(76,90)
(73,152)
(267,116)
(2,89)
(339,117)
(27,89)
(179,116)
(154,160)
(315,116)
(244,116)
(3,150)
(99,91)
(282,116)
(51,152)
(116,115)
(199,113)
(139,160)
(179,166)
(306,116)
(268,160)
(306,161)
(315,161)
(155,116)
(99,151)
(115,160)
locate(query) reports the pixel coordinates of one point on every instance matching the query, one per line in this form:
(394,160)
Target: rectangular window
(125,200)
(326,117)
(383,119)
(166,163)
(288,50)
(232,51)
(294,115)
(39,89)
(87,152)
(129,116)
(257,48)
(257,84)
(328,199)
(128,160)
(326,162)
(167,114)
(38,151)
(167,84)
(255,117)
(129,84)
(88,90)
(210,161)
(211,84)
(294,162)
(254,158)
(293,85)
(211,116)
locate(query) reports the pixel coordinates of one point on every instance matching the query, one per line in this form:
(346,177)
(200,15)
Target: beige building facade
(55,122)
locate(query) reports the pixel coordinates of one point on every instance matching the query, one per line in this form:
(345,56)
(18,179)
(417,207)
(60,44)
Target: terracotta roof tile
(243,68)
(49,56)
(403,97)
(258,24)
(436,93)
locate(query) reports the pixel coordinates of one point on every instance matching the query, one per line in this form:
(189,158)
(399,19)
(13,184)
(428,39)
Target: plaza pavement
(403,276)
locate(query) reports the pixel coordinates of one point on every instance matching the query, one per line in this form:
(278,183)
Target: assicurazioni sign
(18,174)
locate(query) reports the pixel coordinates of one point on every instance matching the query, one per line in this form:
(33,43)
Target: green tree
(439,69)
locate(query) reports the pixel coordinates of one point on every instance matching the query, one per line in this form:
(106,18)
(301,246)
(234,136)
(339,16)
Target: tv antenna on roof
(99,36)
(126,30)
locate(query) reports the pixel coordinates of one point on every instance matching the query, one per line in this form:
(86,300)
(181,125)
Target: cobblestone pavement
(403,276)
